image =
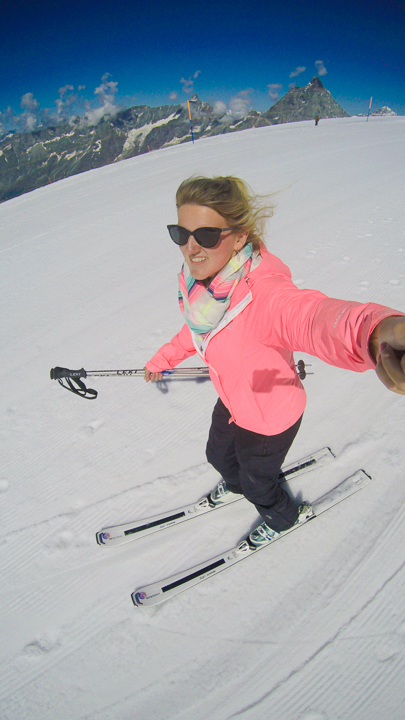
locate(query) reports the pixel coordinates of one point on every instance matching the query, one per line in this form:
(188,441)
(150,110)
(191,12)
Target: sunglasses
(207,237)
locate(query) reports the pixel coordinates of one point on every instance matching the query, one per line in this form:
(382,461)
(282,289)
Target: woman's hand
(152,377)
(387,348)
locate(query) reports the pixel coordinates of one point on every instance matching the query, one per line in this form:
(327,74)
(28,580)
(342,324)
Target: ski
(165,589)
(119,534)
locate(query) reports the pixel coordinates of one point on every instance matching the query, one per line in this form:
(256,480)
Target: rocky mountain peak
(304,103)
(197,105)
(385,110)
(315,83)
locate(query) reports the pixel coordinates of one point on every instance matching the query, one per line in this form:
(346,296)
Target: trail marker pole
(369,107)
(189,114)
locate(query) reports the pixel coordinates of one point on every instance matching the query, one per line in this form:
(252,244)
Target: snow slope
(311,629)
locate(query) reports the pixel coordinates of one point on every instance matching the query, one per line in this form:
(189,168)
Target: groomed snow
(311,629)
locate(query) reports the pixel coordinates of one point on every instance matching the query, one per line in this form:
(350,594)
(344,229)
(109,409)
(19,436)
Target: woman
(245,317)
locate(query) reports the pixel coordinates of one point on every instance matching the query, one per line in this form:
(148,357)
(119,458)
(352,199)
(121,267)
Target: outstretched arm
(387,348)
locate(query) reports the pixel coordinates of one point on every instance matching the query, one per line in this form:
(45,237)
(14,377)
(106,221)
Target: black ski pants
(250,464)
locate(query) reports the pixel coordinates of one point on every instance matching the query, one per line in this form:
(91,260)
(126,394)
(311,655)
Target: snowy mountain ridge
(33,159)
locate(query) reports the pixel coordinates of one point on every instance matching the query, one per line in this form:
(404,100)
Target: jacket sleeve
(336,331)
(174,352)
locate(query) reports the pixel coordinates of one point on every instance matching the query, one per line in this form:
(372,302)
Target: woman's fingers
(152,376)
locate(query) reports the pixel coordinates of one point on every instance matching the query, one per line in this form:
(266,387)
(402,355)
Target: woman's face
(204,263)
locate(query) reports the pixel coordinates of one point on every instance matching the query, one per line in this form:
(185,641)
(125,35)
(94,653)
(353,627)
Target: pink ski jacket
(250,353)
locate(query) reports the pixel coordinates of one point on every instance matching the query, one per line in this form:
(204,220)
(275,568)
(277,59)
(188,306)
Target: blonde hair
(231,198)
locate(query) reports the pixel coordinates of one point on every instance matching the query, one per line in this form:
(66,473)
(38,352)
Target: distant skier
(245,318)
(317,119)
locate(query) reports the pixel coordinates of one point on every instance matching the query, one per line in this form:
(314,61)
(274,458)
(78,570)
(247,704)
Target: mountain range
(32,159)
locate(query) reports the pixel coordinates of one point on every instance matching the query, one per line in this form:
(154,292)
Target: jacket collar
(264,264)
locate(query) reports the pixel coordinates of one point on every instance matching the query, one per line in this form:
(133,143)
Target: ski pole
(75,384)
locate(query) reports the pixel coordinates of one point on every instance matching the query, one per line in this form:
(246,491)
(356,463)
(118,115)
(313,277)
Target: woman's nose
(192,244)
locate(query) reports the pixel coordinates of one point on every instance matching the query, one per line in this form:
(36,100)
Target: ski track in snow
(311,629)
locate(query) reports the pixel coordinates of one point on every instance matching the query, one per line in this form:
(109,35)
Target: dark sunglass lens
(178,234)
(207,237)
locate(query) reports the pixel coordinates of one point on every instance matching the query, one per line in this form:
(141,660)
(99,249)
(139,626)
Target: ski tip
(138,597)
(101,537)
(331,452)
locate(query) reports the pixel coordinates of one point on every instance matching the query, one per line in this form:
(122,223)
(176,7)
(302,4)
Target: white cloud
(106,95)
(173,96)
(93,117)
(30,122)
(107,90)
(274,90)
(297,71)
(63,90)
(237,108)
(188,85)
(65,102)
(28,101)
(240,104)
(219,108)
(69,105)
(320,68)
(29,118)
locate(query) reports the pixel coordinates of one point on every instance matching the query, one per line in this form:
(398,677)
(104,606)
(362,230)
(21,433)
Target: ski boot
(221,495)
(263,534)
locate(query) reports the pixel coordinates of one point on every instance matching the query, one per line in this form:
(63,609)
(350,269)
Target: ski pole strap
(73,382)
(80,388)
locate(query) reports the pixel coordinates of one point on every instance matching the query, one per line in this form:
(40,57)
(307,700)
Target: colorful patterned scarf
(204,307)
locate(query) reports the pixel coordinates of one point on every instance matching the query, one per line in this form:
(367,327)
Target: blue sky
(60,57)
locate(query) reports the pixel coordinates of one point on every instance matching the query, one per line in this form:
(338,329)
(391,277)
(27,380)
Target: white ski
(119,534)
(165,589)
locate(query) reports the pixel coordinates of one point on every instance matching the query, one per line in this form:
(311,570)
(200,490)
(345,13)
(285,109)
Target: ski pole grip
(302,373)
(57,373)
